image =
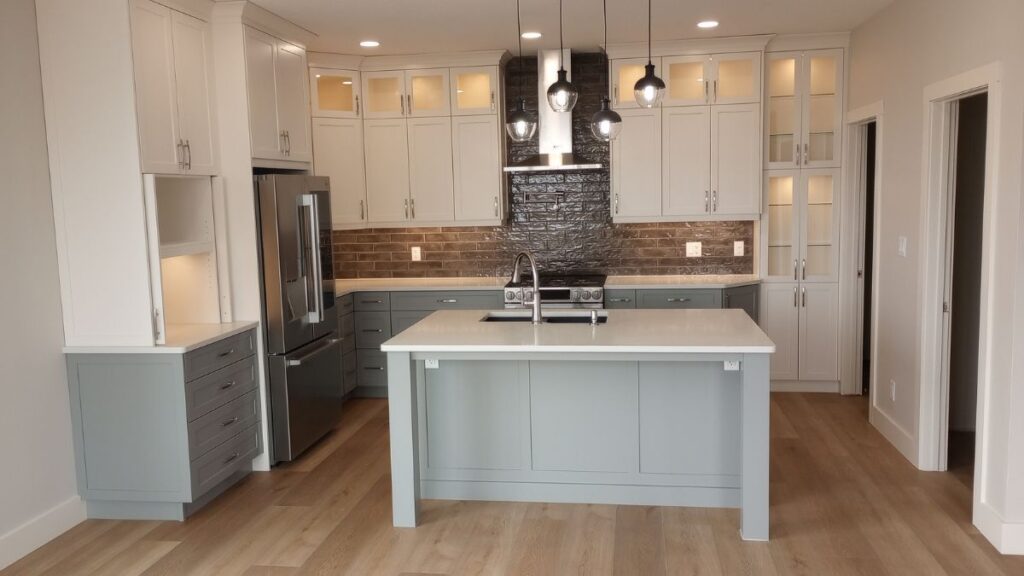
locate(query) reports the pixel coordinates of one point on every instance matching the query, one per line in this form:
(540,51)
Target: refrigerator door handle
(328,344)
(314,270)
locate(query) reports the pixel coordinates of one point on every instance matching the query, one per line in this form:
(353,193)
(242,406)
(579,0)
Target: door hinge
(945,307)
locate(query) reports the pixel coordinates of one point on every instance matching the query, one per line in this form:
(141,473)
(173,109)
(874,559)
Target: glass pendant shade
(521,125)
(650,89)
(606,123)
(562,95)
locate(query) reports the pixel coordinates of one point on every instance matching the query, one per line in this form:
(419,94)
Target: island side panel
(404,427)
(755,439)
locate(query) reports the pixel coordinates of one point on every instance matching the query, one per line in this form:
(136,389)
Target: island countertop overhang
(626,332)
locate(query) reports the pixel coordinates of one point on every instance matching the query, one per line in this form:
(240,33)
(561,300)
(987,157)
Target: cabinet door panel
(155,89)
(195,110)
(477,164)
(636,165)
(687,82)
(819,226)
(686,160)
(782,215)
(736,159)
(624,74)
(427,92)
(819,332)
(823,108)
(265,138)
(736,78)
(780,319)
(384,94)
(334,93)
(784,108)
(431,186)
(387,170)
(338,154)
(474,90)
(293,102)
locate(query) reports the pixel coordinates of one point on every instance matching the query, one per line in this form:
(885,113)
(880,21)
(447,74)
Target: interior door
(192,71)
(260,50)
(293,101)
(736,159)
(686,160)
(780,319)
(338,154)
(636,165)
(431,183)
(153,53)
(387,170)
(819,332)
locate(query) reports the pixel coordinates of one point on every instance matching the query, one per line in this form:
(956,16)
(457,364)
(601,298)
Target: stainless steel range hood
(555,128)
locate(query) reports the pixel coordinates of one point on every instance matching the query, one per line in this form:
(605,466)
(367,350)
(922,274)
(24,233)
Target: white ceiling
(419,26)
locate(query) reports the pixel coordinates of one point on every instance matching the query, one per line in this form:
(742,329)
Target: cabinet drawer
(219,388)
(453,300)
(372,329)
(345,304)
(215,356)
(372,368)
(349,372)
(406,318)
(347,331)
(688,298)
(372,301)
(218,464)
(213,429)
(620,298)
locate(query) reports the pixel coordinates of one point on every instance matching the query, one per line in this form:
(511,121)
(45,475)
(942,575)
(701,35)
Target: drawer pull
(448,301)
(377,368)
(679,300)
(371,301)
(373,330)
(227,423)
(232,458)
(228,386)
(228,353)
(621,299)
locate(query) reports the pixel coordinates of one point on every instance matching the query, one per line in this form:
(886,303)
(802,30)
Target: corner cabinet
(279,120)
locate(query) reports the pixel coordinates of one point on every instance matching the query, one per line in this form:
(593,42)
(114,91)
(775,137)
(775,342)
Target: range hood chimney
(555,127)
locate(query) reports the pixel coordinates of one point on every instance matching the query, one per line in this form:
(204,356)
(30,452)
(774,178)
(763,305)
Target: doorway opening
(962,292)
(865,272)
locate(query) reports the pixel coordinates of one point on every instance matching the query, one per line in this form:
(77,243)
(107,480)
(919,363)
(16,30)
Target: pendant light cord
(605,47)
(561,37)
(649,60)
(519,28)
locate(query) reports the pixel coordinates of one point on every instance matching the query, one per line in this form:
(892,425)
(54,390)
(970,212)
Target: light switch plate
(738,248)
(693,250)
(431,363)
(417,254)
(901,246)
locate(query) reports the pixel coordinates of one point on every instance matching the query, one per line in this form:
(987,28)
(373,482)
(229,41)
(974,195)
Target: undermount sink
(549,316)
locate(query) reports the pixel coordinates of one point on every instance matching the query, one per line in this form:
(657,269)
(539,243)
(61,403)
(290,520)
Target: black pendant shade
(606,123)
(649,89)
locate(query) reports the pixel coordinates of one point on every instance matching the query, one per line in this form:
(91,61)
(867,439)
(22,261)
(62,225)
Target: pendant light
(520,125)
(606,123)
(562,95)
(649,89)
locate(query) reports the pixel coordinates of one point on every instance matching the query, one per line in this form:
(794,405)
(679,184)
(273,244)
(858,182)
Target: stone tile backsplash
(564,218)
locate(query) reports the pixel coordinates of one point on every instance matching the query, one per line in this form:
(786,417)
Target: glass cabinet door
(624,75)
(820,227)
(335,93)
(823,109)
(687,82)
(783,145)
(735,78)
(427,92)
(474,90)
(781,218)
(384,94)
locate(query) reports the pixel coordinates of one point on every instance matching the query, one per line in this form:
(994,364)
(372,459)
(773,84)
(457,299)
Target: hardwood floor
(843,502)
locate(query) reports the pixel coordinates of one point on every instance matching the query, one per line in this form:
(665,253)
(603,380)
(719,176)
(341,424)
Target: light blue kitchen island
(649,407)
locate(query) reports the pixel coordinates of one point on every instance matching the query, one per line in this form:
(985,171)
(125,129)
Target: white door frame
(939,99)
(852,245)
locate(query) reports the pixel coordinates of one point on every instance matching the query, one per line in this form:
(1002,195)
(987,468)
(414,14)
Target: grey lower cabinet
(347,332)
(667,298)
(158,435)
(744,297)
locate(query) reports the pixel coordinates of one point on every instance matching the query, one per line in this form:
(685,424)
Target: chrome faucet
(537,317)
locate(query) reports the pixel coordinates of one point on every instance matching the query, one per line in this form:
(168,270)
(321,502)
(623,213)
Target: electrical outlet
(892,390)
(431,363)
(901,246)
(738,248)
(732,365)
(693,250)
(417,254)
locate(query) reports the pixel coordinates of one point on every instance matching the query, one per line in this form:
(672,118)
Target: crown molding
(795,42)
(694,47)
(262,19)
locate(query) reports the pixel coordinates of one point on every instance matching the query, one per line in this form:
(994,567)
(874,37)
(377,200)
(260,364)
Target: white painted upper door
(783,141)
(687,80)
(736,160)
(823,108)
(155,90)
(476,160)
(819,225)
(781,222)
(338,154)
(624,74)
(474,90)
(293,101)
(819,332)
(427,93)
(686,161)
(192,70)
(780,319)
(386,146)
(735,78)
(384,94)
(334,93)
(260,53)
(636,166)
(431,186)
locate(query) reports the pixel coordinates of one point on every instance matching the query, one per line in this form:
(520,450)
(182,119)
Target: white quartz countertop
(343,287)
(627,331)
(181,338)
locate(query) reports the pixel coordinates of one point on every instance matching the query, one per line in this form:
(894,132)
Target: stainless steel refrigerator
(303,350)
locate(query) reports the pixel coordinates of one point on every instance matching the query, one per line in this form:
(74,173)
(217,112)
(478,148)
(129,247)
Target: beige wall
(894,56)
(38,498)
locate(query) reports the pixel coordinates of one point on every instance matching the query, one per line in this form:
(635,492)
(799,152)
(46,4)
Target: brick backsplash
(564,218)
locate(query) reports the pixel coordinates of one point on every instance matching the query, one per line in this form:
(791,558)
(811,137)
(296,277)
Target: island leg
(405,472)
(755,423)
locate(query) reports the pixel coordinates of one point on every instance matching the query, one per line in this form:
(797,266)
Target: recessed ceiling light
(369,43)
(531,35)
(707,24)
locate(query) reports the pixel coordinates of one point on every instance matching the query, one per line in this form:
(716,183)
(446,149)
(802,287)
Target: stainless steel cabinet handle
(232,458)
(188,155)
(406,208)
(804,296)
(714,200)
(228,386)
(412,207)
(620,299)
(408,102)
(495,206)
(805,153)
(492,100)
(715,98)
(401,103)
(227,423)
(327,346)
(794,298)
(280,142)
(362,209)
(373,330)
(796,154)
(803,267)
(448,301)
(377,368)
(371,301)
(228,353)
(707,201)
(288,141)
(357,105)
(180,154)
(679,300)
(706,97)
(794,269)
(616,203)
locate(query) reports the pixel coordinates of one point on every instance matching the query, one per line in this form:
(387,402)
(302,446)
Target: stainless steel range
(558,291)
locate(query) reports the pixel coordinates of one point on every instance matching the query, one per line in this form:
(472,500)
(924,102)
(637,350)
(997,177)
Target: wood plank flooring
(843,501)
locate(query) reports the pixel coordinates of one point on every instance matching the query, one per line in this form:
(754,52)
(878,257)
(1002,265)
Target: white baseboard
(805,386)
(38,531)
(1007,537)
(895,434)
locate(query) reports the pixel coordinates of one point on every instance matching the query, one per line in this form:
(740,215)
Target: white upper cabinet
(384,94)
(278,98)
(427,93)
(686,156)
(474,90)
(338,154)
(636,166)
(335,93)
(804,109)
(386,145)
(170,51)
(476,156)
(430,170)
(624,74)
(734,78)
(736,160)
